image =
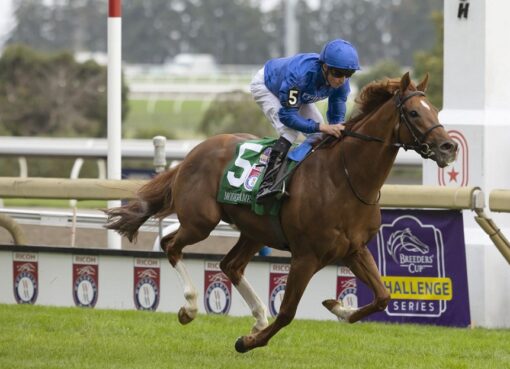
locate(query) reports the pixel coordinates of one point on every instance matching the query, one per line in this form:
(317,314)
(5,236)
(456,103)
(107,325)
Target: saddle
(242,177)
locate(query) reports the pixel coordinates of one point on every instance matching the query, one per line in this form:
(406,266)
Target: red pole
(114,8)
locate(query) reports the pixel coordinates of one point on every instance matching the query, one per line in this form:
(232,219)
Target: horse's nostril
(448,146)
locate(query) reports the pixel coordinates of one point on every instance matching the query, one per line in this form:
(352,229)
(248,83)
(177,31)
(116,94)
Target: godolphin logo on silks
(25,277)
(346,287)
(411,261)
(217,289)
(256,170)
(146,284)
(85,280)
(277,282)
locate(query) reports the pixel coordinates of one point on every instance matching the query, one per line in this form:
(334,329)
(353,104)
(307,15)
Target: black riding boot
(276,158)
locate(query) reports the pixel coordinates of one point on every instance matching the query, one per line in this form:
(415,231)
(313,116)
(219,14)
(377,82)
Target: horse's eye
(413,113)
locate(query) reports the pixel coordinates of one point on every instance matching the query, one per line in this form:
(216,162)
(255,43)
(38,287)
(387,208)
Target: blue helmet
(340,54)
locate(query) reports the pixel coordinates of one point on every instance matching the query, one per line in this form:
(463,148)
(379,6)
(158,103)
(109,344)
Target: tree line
(48,93)
(234,31)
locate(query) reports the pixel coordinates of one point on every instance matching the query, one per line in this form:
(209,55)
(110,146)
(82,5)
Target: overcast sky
(6,18)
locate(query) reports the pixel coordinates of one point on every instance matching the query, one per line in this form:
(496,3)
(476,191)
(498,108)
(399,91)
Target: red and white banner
(85,280)
(277,282)
(217,289)
(346,287)
(25,277)
(146,284)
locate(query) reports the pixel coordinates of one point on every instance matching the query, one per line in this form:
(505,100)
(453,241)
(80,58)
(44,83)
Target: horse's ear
(422,86)
(405,82)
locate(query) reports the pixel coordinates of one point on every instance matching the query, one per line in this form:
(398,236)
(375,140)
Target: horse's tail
(154,199)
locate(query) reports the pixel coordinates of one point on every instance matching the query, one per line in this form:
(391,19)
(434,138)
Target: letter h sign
(463,9)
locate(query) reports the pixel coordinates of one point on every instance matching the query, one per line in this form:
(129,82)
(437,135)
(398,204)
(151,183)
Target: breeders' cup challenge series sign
(421,257)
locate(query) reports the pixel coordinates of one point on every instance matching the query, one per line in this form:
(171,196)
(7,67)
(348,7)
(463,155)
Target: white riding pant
(270,105)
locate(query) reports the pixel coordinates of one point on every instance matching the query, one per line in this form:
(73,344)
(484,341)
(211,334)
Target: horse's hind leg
(173,244)
(233,265)
(363,265)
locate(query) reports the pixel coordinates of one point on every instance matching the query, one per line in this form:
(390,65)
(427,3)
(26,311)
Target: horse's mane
(371,97)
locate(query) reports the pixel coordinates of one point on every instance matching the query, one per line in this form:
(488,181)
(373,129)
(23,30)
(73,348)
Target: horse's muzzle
(446,153)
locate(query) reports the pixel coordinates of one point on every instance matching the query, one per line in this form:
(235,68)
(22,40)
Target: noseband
(419,144)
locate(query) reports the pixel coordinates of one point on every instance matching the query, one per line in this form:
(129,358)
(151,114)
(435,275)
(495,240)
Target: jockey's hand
(332,129)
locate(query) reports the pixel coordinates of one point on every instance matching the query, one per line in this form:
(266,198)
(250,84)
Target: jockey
(286,90)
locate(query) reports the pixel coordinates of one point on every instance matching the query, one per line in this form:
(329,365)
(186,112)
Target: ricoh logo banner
(146,283)
(278,274)
(421,257)
(25,277)
(346,287)
(85,280)
(217,289)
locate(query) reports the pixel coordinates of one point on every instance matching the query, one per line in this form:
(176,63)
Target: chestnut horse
(330,216)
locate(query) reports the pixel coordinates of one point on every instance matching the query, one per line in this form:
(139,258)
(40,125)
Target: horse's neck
(369,163)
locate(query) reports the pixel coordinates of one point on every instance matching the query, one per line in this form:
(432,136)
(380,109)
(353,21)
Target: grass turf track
(48,337)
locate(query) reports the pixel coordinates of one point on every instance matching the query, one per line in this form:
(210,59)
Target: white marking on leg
(257,307)
(342,312)
(190,292)
(425,104)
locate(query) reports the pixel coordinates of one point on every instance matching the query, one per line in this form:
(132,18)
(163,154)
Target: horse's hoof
(184,317)
(240,346)
(330,304)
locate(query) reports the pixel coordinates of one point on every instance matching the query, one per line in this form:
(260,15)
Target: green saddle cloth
(242,177)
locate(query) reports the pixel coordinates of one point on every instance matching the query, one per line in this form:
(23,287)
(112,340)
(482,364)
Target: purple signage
(422,260)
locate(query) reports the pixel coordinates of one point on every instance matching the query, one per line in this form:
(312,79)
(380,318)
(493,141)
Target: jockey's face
(335,77)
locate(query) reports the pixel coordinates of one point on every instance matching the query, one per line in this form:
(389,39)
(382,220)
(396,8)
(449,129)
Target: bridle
(419,140)
(419,144)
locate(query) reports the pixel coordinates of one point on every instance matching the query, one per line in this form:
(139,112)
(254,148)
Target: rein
(353,189)
(419,145)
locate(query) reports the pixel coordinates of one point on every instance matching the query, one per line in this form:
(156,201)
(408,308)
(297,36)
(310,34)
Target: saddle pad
(243,175)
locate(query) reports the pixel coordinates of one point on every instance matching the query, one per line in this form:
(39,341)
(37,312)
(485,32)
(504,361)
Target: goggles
(339,73)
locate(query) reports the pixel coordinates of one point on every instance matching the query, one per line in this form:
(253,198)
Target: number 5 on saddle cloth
(242,177)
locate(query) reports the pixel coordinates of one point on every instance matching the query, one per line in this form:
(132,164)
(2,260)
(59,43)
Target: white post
(114,104)
(476,111)
(291,28)
(476,96)
(159,166)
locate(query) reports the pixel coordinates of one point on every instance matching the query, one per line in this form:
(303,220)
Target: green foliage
(52,95)
(233,31)
(235,112)
(432,62)
(384,69)
(71,338)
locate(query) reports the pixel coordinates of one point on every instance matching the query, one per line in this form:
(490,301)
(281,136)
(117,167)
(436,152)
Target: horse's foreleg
(363,265)
(233,266)
(301,271)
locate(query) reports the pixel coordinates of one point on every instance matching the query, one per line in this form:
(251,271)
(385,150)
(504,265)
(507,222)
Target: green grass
(43,337)
(173,118)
